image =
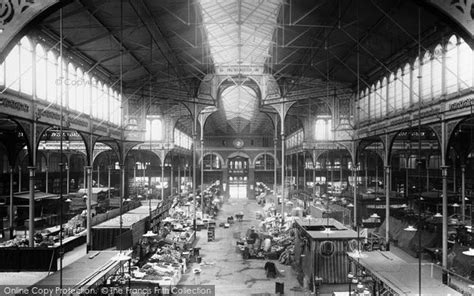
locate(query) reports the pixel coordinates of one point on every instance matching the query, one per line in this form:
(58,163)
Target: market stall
(321,246)
(387,274)
(164,267)
(16,255)
(99,195)
(268,241)
(107,234)
(88,273)
(46,209)
(163,256)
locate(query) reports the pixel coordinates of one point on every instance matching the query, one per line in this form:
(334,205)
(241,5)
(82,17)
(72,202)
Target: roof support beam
(69,47)
(306,14)
(143,13)
(296,38)
(367,33)
(92,39)
(310,54)
(186,22)
(193,45)
(65,15)
(116,39)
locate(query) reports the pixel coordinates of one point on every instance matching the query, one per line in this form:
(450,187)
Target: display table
(183,244)
(37,258)
(42,221)
(163,283)
(399,277)
(88,272)
(72,242)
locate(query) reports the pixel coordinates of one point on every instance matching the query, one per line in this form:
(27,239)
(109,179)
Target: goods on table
(270,245)
(165,266)
(48,237)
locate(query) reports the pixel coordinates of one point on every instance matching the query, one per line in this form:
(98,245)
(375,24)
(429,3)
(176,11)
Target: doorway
(237,188)
(238,177)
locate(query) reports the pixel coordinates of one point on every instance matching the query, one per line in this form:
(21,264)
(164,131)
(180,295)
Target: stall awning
(38,195)
(95,190)
(314,227)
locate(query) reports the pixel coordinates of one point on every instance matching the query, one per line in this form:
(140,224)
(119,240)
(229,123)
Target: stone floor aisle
(222,264)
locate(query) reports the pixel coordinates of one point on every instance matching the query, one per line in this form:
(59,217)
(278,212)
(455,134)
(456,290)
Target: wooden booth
(100,195)
(112,233)
(322,254)
(47,207)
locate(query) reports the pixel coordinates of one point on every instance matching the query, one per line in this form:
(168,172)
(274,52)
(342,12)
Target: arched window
(154,130)
(71,86)
(399,99)
(95,97)
(437,71)
(86,102)
(181,139)
(51,77)
(391,100)
(26,66)
(406,86)
(378,101)
(109,94)
(107,101)
(383,97)
(114,109)
(119,111)
(426,77)
(80,90)
(265,162)
(12,64)
(323,128)
(365,108)
(41,73)
(362,110)
(416,96)
(452,65)
(372,114)
(61,78)
(466,65)
(101,101)
(212,162)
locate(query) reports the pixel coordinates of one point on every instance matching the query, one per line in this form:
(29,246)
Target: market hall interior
(308,146)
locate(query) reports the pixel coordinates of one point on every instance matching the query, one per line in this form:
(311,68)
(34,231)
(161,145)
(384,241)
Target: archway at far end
(238,170)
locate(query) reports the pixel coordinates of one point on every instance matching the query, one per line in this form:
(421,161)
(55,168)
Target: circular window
(238,143)
(327,248)
(352,245)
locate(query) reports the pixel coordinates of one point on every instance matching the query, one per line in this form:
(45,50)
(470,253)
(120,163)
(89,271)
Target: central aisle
(222,264)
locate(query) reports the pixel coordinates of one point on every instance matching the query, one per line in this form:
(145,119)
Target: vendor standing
(252,238)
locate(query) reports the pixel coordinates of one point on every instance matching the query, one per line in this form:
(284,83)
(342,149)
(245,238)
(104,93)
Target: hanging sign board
(239,69)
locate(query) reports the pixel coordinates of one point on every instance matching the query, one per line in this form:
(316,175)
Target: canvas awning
(38,195)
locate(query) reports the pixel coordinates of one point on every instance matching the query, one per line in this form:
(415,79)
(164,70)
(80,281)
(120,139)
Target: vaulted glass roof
(239,104)
(239,32)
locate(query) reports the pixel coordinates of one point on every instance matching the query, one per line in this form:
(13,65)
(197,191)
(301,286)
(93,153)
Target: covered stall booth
(47,208)
(321,245)
(17,254)
(100,197)
(121,232)
(384,273)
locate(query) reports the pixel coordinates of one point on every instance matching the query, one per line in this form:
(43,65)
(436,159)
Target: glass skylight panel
(239,101)
(239,32)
